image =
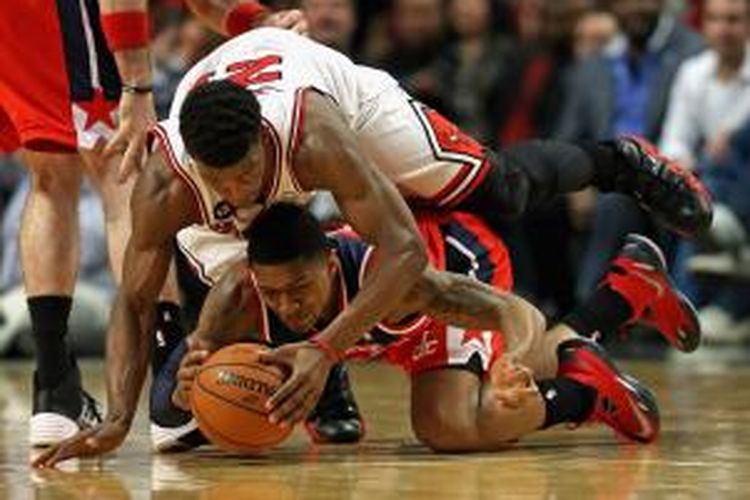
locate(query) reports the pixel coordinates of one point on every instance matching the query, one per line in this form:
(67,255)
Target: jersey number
(250,72)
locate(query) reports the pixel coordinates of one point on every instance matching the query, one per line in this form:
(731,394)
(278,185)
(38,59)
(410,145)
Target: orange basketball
(229,396)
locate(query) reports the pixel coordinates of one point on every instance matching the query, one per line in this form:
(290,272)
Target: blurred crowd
(674,71)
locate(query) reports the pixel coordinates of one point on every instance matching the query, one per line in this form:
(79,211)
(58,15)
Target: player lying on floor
(484,371)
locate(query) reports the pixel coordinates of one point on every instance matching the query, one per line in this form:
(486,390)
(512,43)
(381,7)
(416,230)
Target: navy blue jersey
(456,242)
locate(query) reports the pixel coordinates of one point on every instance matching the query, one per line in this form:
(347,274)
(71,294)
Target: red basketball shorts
(460,243)
(59,85)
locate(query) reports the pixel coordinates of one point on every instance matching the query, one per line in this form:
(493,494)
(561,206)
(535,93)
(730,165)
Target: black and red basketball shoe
(673,194)
(336,418)
(622,403)
(639,275)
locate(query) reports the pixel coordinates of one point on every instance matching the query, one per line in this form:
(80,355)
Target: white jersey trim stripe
(295,137)
(166,147)
(196,264)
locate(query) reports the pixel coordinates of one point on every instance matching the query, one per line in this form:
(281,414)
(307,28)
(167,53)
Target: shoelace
(90,413)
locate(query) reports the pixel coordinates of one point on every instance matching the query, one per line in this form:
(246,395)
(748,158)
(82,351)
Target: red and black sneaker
(639,274)
(622,403)
(673,194)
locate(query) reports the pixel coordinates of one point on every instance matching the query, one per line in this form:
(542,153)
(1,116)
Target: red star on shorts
(470,335)
(99,109)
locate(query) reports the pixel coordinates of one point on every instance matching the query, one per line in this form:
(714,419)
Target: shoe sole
(47,429)
(645,405)
(685,341)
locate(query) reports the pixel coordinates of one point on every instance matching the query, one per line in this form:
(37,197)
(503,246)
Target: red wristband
(324,346)
(244,17)
(126,29)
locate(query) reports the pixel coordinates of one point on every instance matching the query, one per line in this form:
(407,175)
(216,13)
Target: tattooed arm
(462,301)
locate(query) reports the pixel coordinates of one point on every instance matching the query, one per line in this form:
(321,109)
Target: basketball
(229,396)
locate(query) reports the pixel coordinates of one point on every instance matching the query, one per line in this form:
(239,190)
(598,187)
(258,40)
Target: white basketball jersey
(422,153)
(277,66)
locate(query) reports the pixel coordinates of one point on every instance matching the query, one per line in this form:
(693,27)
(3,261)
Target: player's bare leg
(49,227)
(102,173)
(456,411)
(453,411)
(49,257)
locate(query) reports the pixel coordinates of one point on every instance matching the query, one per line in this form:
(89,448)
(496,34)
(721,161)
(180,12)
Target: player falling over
(483,369)
(271,114)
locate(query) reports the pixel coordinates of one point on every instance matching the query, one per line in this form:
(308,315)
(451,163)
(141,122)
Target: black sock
(605,312)
(49,326)
(603,157)
(168,333)
(566,400)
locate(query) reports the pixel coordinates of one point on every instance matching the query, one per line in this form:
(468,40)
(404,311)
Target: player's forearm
(398,269)
(216,14)
(128,350)
(134,66)
(126,27)
(467,303)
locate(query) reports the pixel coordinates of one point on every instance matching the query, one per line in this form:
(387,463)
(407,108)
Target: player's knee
(504,192)
(58,180)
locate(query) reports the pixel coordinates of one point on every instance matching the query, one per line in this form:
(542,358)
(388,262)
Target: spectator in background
(595,29)
(710,101)
(624,92)
(332,22)
(547,58)
(416,33)
(711,94)
(180,41)
(475,73)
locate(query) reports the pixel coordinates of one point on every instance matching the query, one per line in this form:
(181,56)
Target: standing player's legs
(60,101)
(49,258)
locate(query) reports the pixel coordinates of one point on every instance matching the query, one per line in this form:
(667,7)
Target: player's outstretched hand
(293,19)
(308,367)
(512,383)
(98,440)
(189,367)
(136,114)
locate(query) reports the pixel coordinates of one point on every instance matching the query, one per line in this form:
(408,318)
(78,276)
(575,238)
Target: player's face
(239,184)
(298,292)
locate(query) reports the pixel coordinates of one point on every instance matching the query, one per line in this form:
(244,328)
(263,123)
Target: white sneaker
(175,439)
(731,265)
(720,328)
(60,412)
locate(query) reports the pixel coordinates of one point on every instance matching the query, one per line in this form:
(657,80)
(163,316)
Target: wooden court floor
(704,451)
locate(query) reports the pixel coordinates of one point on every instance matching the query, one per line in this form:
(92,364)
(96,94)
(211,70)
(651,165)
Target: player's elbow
(413,257)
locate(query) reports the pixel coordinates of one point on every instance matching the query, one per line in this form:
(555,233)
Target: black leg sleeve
(528,175)
(163,411)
